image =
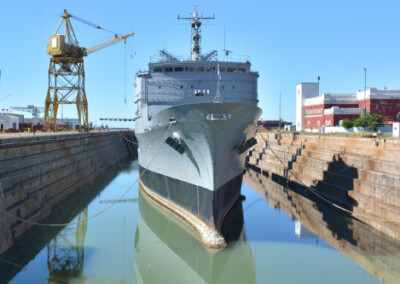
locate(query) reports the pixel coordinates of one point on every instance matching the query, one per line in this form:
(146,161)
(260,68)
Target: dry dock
(38,172)
(361,175)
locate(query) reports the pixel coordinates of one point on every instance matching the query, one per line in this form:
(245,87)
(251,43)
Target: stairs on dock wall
(372,177)
(362,175)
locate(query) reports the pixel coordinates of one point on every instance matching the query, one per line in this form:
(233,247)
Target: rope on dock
(128,140)
(319,195)
(105,209)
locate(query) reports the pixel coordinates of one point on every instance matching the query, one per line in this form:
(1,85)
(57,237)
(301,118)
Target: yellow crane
(67,73)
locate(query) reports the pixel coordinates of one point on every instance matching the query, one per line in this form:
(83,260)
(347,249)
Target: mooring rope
(105,209)
(322,197)
(128,140)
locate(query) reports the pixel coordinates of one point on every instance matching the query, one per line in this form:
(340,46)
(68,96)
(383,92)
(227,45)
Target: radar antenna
(196,23)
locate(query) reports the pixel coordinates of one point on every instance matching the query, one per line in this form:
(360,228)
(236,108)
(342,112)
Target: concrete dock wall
(36,173)
(359,174)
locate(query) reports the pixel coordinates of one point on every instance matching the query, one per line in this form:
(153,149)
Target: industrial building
(314,111)
(10,120)
(272,124)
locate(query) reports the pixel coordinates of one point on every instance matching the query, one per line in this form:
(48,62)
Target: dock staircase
(360,175)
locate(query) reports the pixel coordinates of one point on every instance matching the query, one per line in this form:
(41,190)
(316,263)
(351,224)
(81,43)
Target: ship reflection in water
(275,235)
(374,251)
(165,251)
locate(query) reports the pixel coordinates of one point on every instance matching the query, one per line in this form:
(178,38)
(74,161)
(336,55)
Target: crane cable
(125,74)
(93,25)
(322,197)
(103,210)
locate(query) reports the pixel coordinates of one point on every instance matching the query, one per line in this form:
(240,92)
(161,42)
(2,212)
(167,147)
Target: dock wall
(37,173)
(359,174)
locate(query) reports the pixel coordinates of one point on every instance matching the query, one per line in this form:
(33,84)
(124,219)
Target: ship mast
(196,23)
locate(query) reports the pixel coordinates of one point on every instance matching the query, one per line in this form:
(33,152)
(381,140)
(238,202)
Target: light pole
(280,118)
(5,97)
(365,96)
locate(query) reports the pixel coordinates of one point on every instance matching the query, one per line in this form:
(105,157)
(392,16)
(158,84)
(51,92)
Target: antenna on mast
(196,23)
(225,50)
(280,117)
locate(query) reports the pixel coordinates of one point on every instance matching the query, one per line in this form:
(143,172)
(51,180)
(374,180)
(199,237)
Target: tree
(371,121)
(347,123)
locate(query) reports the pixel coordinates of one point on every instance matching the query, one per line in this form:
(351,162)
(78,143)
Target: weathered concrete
(360,174)
(36,173)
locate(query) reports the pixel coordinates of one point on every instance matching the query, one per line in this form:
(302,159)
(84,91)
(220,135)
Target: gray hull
(203,174)
(165,252)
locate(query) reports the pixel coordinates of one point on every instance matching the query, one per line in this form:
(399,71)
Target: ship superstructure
(208,108)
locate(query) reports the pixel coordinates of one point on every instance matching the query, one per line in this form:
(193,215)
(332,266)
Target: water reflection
(64,247)
(374,251)
(166,253)
(139,241)
(66,253)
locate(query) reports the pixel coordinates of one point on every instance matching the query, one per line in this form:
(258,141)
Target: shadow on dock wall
(336,182)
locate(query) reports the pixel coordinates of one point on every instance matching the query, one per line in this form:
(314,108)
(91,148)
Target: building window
(233,87)
(178,69)
(398,117)
(191,86)
(318,124)
(157,69)
(309,125)
(168,69)
(181,87)
(159,87)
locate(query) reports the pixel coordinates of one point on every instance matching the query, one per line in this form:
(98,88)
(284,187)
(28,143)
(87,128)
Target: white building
(10,121)
(7,112)
(304,91)
(2,124)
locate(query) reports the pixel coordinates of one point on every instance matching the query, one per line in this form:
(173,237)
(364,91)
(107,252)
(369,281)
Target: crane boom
(107,43)
(35,111)
(67,73)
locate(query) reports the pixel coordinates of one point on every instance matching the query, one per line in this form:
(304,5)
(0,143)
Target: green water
(136,242)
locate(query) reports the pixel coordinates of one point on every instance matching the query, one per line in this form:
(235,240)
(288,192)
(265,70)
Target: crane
(67,73)
(35,111)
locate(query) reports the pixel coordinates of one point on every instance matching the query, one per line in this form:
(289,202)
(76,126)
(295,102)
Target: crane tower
(67,72)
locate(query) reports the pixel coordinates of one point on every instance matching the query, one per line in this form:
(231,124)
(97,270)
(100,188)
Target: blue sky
(288,42)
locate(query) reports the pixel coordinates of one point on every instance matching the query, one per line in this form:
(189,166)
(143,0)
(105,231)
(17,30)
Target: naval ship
(195,121)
